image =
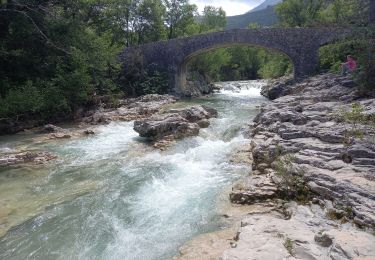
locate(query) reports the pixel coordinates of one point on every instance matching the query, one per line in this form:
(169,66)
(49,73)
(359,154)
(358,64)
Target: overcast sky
(231,7)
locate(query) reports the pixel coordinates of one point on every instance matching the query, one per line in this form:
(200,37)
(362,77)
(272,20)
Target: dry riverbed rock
(26,157)
(175,124)
(305,234)
(131,109)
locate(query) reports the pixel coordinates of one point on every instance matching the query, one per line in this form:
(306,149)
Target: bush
(140,80)
(22,100)
(333,55)
(291,178)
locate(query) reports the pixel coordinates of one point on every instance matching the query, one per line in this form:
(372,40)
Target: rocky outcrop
(277,88)
(175,124)
(26,157)
(332,157)
(307,123)
(197,85)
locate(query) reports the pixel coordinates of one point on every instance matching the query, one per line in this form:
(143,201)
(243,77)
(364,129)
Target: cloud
(231,7)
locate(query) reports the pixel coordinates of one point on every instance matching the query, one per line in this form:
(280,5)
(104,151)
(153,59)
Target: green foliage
(151,25)
(53,58)
(141,80)
(292,13)
(241,63)
(305,13)
(291,179)
(333,55)
(357,121)
(213,18)
(289,246)
(275,65)
(210,64)
(365,75)
(25,99)
(179,15)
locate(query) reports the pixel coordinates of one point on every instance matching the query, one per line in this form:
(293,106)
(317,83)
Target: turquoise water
(110,196)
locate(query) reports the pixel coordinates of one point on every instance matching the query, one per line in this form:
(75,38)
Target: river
(110,196)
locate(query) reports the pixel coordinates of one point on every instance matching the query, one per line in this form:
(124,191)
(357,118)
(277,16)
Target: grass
(289,245)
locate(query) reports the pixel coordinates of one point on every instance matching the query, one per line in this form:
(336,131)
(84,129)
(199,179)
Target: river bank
(320,131)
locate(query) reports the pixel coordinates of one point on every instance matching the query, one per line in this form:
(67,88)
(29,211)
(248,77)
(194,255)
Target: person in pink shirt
(349,66)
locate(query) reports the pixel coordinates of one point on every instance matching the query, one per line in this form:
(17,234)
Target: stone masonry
(301,45)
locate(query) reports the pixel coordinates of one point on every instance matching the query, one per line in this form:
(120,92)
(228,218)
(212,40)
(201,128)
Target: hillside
(265,4)
(265,17)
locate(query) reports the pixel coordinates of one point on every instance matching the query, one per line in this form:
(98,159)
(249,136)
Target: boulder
(176,124)
(49,128)
(160,126)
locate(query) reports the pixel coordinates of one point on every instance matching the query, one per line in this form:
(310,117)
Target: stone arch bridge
(301,45)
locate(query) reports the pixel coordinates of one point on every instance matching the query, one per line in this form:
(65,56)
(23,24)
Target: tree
(291,13)
(179,16)
(213,18)
(55,53)
(151,15)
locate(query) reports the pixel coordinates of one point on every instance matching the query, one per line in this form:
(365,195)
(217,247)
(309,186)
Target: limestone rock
(271,236)
(177,124)
(306,123)
(252,189)
(323,239)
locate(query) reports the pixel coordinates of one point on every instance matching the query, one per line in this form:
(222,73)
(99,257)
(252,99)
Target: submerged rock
(89,132)
(176,124)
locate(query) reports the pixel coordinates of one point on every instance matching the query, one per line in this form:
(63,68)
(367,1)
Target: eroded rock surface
(304,234)
(131,109)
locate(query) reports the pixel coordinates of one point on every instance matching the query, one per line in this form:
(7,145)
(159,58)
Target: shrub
(291,178)
(22,100)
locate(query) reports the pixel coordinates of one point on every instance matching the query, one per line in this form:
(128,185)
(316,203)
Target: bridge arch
(301,45)
(181,75)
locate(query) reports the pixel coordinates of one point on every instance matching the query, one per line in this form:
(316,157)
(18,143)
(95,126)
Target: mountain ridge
(265,17)
(264,5)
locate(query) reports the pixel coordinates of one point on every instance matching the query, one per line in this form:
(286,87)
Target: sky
(231,7)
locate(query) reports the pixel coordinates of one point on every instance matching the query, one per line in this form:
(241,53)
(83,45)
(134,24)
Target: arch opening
(231,62)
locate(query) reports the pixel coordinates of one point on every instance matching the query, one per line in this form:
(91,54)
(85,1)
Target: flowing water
(110,196)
